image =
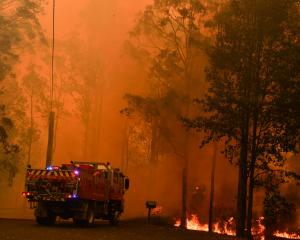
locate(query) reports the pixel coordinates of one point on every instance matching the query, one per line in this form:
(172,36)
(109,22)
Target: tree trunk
(185,181)
(125,146)
(184,198)
(251,177)
(250,201)
(154,142)
(212,188)
(242,181)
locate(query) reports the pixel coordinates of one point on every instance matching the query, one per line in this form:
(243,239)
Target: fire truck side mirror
(126,183)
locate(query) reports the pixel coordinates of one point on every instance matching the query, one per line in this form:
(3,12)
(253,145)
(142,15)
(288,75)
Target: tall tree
(253,82)
(34,87)
(20,28)
(168,31)
(87,79)
(212,188)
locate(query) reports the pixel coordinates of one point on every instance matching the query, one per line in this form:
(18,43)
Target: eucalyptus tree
(253,97)
(20,27)
(168,34)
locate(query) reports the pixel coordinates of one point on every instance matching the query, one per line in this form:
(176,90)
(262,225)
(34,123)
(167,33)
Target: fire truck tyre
(87,221)
(90,216)
(79,222)
(46,221)
(113,218)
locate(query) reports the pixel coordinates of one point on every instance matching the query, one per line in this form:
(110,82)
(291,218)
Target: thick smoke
(103,27)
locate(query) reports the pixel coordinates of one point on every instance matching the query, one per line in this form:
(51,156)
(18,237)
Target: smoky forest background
(197,101)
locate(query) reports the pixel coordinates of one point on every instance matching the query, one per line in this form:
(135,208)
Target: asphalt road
(132,230)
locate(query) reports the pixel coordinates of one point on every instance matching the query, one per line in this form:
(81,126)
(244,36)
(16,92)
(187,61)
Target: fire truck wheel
(46,221)
(113,218)
(90,216)
(86,221)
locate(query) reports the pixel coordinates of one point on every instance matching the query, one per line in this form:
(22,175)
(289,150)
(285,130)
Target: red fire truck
(79,190)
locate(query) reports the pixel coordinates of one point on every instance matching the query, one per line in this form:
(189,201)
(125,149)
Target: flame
(193,223)
(287,235)
(227,229)
(259,231)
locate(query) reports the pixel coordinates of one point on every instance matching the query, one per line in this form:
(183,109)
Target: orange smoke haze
(103,27)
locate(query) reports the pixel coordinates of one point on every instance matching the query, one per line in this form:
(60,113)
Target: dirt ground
(11,229)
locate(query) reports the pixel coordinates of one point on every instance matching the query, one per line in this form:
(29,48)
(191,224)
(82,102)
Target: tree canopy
(253,98)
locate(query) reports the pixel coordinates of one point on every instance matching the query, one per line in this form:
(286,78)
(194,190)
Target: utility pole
(51,113)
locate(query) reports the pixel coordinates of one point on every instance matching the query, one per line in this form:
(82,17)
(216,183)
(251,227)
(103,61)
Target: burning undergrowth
(227,227)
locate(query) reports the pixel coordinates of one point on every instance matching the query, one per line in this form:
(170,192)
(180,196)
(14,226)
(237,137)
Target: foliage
(252,102)
(168,35)
(169,32)
(19,26)
(20,29)
(8,150)
(278,212)
(271,93)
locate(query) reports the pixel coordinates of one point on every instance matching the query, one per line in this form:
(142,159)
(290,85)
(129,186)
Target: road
(126,230)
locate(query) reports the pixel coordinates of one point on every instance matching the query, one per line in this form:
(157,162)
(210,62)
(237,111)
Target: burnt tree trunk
(185,183)
(251,176)
(212,189)
(242,180)
(183,222)
(154,141)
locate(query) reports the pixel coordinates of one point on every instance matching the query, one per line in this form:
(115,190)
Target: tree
(19,25)
(86,79)
(34,87)
(168,33)
(8,151)
(212,189)
(278,211)
(19,29)
(253,78)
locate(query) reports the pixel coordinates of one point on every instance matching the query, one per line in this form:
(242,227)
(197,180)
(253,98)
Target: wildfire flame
(193,223)
(287,235)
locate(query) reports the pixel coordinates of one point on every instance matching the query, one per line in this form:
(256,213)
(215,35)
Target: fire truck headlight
(76,172)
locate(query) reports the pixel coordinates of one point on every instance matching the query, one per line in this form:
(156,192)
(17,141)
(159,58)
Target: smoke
(91,34)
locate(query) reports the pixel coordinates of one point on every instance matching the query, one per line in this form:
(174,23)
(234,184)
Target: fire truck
(79,190)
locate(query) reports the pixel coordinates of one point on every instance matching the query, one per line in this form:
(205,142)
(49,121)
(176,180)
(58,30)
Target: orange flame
(287,235)
(193,223)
